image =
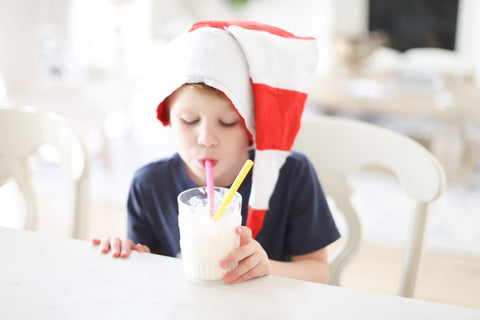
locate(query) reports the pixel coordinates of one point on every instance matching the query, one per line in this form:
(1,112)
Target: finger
(255,266)
(142,248)
(250,274)
(247,248)
(237,255)
(105,245)
(127,246)
(246,269)
(244,233)
(115,244)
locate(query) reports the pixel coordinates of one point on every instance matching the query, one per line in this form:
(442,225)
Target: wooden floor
(442,277)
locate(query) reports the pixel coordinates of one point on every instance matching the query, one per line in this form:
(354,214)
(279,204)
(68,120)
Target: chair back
(22,131)
(338,147)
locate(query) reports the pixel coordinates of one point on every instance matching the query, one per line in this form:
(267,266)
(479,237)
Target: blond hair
(202,87)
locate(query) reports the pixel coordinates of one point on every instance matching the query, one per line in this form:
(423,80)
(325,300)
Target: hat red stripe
(255,220)
(278,113)
(162,115)
(250,25)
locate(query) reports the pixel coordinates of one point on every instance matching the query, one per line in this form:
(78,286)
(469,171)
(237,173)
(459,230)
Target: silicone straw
(236,184)
(210,186)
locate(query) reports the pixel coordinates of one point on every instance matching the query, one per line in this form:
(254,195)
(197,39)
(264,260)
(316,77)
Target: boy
(236,90)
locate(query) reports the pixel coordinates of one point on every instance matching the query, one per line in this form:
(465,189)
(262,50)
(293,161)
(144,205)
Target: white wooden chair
(339,147)
(22,131)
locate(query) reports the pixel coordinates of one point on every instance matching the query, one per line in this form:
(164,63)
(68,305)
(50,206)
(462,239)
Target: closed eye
(228,124)
(190,121)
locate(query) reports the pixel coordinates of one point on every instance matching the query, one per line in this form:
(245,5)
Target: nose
(207,137)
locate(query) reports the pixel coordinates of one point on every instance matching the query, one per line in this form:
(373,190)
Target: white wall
(302,17)
(18,41)
(350,17)
(20,32)
(468,33)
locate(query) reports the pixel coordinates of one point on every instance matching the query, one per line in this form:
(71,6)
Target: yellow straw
(236,184)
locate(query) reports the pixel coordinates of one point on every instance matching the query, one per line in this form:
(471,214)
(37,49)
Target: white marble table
(47,277)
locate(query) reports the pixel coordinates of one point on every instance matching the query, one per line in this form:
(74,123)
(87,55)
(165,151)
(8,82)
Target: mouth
(202,162)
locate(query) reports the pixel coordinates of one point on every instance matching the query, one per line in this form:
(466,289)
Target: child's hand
(120,247)
(251,258)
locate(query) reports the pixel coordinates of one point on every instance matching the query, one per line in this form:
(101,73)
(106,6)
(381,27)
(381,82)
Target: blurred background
(412,66)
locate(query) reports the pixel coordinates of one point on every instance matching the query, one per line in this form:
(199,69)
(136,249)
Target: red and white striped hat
(265,72)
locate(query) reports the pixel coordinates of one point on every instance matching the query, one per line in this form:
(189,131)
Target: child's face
(207,126)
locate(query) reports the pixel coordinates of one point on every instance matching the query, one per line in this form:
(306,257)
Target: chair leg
(414,250)
(80,209)
(350,248)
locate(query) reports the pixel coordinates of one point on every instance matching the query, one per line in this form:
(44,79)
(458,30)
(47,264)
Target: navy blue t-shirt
(298,222)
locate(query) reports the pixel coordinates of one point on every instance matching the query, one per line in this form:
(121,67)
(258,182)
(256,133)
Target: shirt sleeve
(152,206)
(139,227)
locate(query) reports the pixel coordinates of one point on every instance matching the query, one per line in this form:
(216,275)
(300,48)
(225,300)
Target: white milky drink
(203,241)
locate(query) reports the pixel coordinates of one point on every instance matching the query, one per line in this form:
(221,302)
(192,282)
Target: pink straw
(210,186)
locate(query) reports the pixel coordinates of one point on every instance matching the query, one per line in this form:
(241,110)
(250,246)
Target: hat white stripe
(265,174)
(271,58)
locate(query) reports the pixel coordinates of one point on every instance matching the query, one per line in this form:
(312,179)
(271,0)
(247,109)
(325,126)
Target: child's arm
(311,267)
(253,262)
(120,247)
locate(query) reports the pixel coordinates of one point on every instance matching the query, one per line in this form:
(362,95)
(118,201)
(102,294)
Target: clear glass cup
(203,241)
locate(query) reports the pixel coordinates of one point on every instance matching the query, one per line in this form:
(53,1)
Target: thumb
(245,234)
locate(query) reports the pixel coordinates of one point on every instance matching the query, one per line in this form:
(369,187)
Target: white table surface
(48,277)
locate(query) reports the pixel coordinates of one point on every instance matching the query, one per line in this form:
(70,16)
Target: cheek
(245,138)
(241,139)
(182,138)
